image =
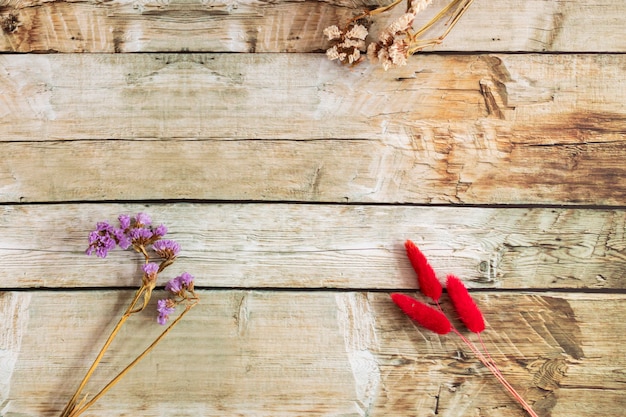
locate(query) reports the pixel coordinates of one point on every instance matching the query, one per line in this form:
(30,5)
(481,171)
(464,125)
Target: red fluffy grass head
(425,316)
(466,308)
(428,282)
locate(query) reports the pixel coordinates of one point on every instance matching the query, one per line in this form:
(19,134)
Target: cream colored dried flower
(332,32)
(357,32)
(398,52)
(348,44)
(419,5)
(402,23)
(332,53)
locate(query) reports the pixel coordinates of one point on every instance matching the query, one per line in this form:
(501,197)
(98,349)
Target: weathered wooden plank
(284,26)
(313,246)
(315,353)
(499,101)
(461,129)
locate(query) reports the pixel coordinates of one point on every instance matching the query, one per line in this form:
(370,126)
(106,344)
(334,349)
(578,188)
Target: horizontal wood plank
(538,129)
(315,246)
(285,26)
(313,353)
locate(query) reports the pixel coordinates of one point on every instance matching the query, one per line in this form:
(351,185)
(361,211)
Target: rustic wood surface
(319,353)
(471,129)
(291,183)
(287,26)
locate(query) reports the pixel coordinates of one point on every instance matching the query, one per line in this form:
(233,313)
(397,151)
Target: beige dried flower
(332,32)
(348,44)
(357,32)
(419,5)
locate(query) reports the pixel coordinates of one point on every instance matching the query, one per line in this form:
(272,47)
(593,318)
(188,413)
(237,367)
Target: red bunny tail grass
(468,311)
(428,282)
(425,316)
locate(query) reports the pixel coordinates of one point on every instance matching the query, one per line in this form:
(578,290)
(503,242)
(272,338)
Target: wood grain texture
(484,129)
(285,26)
(262,353)
(321,246)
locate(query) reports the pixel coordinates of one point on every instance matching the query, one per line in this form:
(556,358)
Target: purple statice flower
(124,221)
(186,279)
(122,238)
(151,269)
(101,243)
(142,219)
(183,281)
(101,240)
(174,285)
(167,249)
(140,236)
(165,307)
(160,231)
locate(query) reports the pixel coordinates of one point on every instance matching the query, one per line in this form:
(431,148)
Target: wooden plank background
(291,183)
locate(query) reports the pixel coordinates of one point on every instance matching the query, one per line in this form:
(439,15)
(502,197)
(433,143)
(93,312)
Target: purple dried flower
(160,231)
(140,236)
(103,227)
(122,239)
(167,249)
(165,307)
(151,269)
(174,285)
(142,219)
(124,221)
(186,279)
(101,240)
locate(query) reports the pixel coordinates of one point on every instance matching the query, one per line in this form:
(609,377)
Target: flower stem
(132,364)
(71,405)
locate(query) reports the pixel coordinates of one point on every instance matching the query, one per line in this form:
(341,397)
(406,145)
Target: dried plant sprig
(398,40)
(468,312)
(419,312)
(426,277)
(137,233)
(466,308)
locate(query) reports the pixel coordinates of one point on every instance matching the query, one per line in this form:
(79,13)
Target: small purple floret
(173,285)
(150,268)
(164,308)
(124,221)
(186,279)
(160,231)
(143,219)
(166,248)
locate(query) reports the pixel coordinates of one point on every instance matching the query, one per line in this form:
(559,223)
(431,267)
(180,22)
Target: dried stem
(133,363)
(71,405)
(461,8)
(490,364)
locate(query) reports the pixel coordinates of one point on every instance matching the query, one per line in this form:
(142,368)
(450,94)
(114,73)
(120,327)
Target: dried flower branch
(398,40)
(436,321)
(136,233)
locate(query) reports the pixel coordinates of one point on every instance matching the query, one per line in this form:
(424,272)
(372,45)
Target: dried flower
(348,44)
(166,248)
(427,317)
(181,283)
(332,32)
(435,320)
(138,233)
(140,236)
(142,219)
(165,308)
(428,282)
(160,231)
(419,5)
(398,40)
(150,269)
(466,308)
(124,220)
